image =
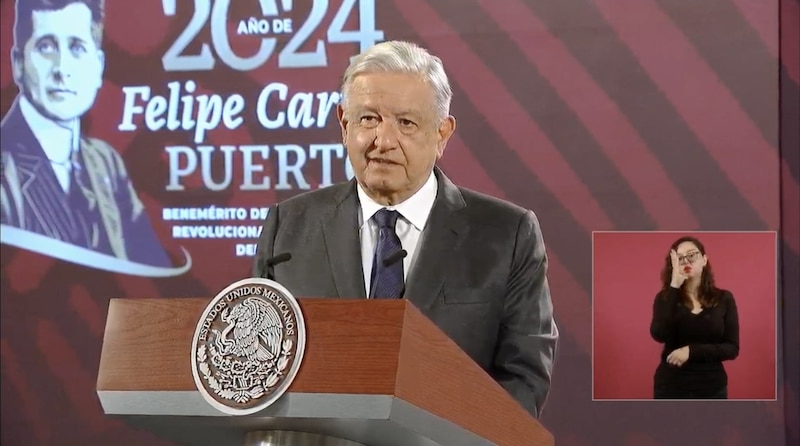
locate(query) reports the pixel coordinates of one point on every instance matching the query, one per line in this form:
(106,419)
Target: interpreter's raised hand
(678,275)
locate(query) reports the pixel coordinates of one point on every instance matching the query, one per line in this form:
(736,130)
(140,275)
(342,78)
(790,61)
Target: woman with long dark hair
(698,324)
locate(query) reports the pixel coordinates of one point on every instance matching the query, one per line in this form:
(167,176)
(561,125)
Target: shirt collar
(57,140)
(416,208)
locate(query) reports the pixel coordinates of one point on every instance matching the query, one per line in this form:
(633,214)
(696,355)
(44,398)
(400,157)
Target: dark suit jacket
(479,274)
(32,199)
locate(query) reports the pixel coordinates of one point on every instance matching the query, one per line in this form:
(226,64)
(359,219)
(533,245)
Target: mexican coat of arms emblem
(248,346)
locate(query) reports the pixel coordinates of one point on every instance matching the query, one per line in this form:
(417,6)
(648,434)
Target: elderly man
(58,184)
(475,265)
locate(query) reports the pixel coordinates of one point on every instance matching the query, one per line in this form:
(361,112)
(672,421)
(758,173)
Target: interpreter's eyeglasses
(690,257)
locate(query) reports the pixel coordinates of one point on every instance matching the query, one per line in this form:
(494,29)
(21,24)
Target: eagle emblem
(248,346)
(257,331)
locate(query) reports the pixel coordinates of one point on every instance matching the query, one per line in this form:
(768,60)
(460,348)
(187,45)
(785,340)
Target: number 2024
(175,60)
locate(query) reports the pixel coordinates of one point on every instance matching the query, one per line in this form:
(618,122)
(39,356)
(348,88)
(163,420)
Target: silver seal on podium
(248,346)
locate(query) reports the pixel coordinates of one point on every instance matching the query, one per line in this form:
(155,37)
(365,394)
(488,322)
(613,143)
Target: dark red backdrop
(626,279)
(598,114)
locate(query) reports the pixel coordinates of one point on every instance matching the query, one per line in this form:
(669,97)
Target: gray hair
(402,57)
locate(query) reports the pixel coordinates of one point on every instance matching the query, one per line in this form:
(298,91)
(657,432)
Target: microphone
(387,262)
(394,258)
(270,263)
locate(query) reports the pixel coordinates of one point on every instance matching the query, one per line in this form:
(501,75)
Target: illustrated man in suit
(56,182)
(475,265)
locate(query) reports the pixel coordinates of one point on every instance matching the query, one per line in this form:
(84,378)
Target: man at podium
(474,264)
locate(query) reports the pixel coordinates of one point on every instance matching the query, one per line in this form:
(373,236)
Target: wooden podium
(375,372)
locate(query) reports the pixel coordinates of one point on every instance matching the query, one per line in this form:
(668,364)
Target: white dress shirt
(414,213)
(58,141)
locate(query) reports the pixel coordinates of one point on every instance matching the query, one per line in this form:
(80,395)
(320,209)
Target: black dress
(712,336)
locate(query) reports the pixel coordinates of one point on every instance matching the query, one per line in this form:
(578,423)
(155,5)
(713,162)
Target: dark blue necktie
(387,281)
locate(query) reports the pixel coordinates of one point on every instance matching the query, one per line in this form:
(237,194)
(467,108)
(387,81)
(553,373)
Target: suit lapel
(35,189)
(340,232)
(31,170)
(101,193)
(443,234)
(40,203)
(32,167)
